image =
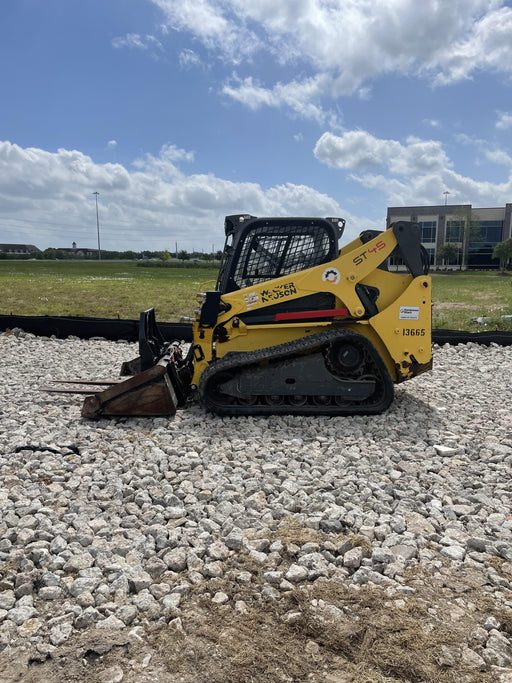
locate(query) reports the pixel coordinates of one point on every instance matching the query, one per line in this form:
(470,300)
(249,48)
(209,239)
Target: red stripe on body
(299,315)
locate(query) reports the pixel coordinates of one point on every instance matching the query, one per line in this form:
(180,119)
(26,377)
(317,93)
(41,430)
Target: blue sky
(179,112)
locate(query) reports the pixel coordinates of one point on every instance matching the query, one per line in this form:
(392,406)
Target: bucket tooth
(149,394)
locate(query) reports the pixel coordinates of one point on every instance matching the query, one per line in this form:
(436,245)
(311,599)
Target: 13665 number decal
(408,332)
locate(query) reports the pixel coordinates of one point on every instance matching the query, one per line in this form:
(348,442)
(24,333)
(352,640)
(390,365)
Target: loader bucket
(149,393)
(159,384)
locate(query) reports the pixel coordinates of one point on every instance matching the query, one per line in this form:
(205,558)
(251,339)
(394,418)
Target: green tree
(462,227)
(165,255)
(183,255)
(503,251)
(448,251)
(130,255)
(50,253)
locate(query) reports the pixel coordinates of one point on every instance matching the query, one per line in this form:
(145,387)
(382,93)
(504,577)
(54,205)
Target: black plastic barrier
(85,328)
(114,329)
(461,337)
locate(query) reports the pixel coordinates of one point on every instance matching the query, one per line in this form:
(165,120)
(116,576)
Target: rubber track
(233,361)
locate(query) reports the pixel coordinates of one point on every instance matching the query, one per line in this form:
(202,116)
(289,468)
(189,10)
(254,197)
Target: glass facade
(475,231)
(482,245)
(490,231)
(454,231)
(431,251)
(428,231)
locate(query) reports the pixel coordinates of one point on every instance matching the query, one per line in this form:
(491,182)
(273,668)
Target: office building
(473,231)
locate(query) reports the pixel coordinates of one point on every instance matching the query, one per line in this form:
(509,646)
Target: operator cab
(262,249)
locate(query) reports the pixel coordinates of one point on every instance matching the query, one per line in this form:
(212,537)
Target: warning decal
(251,299)
(409,313)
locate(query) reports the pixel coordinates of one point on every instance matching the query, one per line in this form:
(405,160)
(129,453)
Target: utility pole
(98,225)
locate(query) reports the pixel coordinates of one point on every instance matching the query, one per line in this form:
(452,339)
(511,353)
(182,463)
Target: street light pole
(98,225)
(446,193)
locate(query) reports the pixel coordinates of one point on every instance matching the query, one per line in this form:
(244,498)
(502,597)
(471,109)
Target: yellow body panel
(401,330)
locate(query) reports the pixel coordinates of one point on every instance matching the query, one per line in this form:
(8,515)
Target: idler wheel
(346,359)
(274,400)
(321,400)
(215,391)
(297,400)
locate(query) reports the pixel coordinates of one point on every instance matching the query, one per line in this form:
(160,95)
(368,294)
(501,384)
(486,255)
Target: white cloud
(486,46)
(298,96)
(359,150)
(494,155)
(354,149)
(188,59)
(112,144)
(136,41)
(428,189)
(46,199)
(211,24)
(344,45)
(164,165)
(504,121)
(499,156)
(414,173)
(364,93)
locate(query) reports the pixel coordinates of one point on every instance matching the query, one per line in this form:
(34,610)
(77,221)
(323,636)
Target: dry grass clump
(293,531)
(502,566)
(387,641)
(225,647)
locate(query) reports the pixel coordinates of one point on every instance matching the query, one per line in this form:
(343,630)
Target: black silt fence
(114,330)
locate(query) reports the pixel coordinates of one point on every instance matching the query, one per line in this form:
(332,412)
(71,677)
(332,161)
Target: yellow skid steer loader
(294,325)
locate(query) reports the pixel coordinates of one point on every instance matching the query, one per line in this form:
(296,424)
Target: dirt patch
(325,632)
(329,631)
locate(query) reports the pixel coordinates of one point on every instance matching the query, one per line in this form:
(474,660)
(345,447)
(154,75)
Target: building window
(490,231)
(455,231)
(481,245)
(431,254)
(428,231)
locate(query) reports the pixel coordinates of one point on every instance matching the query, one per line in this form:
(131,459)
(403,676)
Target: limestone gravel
(119,522)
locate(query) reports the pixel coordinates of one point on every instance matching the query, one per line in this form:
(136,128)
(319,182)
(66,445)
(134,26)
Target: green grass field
(103,289)
(459,297)
(91,288)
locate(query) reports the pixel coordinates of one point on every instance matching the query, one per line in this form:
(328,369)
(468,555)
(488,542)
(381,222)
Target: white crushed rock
(115,522)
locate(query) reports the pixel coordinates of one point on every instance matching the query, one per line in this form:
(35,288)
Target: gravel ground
(117,533)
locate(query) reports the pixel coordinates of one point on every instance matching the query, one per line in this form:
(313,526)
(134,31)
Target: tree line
(52,254)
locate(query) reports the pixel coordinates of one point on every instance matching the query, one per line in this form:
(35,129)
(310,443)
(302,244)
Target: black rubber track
(229,365)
